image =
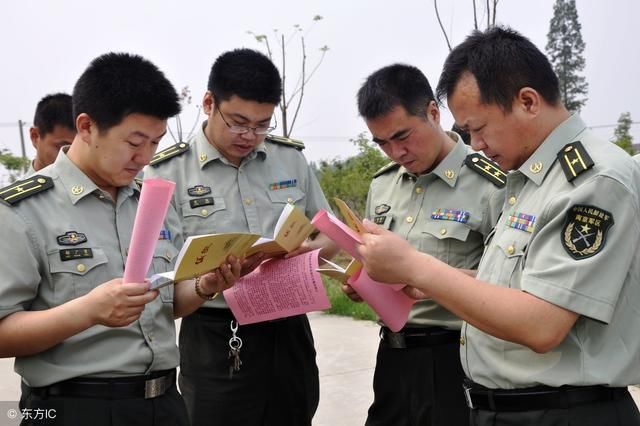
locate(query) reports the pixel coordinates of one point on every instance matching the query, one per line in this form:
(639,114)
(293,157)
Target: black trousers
(622,412)
(164,410)
(277,384)
(418,386)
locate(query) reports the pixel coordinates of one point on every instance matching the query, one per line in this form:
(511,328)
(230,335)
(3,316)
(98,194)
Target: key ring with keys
(235,342)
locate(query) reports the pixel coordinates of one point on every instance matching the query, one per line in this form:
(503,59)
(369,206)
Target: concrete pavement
(346,359)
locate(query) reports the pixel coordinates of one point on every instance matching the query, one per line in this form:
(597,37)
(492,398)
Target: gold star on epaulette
(574,160)
(22,189)
(487,169)
(293,143)
(172,151)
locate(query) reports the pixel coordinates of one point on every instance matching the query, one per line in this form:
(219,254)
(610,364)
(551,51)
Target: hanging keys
(235,343)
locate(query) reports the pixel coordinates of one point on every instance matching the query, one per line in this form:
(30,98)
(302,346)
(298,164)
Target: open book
(203,253)
(337,272)
(291,229)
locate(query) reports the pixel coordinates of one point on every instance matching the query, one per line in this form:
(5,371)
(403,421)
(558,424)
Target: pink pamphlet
(152,209)
(278,288)
(344,237)
(392,306)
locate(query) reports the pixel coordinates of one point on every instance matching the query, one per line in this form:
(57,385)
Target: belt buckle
(396,340)
(155,387)
(467,395)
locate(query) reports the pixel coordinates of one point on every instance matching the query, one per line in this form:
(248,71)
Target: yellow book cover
(337,272)
(351,219)
(292,228)
(203,253)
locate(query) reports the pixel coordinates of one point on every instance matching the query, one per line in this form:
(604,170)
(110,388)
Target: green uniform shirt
(574,244)
(59,245)
(447,213)
(214,196)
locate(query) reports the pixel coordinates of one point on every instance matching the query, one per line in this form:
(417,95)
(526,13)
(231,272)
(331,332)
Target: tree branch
(435,6)
(304,62)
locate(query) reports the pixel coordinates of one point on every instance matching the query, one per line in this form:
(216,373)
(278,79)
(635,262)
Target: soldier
(90,348)
(52,129)
(233,177)
(444,200)
(551,320)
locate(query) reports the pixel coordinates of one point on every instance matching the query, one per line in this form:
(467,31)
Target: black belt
(538,398)
(147,386)
(413,337)
(225,314)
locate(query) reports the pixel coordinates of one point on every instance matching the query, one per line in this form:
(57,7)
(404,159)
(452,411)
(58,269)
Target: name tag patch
(199,202)
(449,214)
(76,253)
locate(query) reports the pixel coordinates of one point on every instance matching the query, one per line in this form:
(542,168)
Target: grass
(342,305)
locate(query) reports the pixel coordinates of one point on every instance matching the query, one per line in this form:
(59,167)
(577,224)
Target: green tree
(621,135)
(13,164)
(349,179)
(565,49)
(292,95)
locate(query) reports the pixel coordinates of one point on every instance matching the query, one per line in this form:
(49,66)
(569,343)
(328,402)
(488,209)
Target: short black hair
(246,73)
(53,110)
(116,85)
(502,62)
(392,86)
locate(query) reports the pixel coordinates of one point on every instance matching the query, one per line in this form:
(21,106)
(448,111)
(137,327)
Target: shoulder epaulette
(574,160)
(384,169)
(294,143)
(138,182)
(25,188)
(487,169)
(172,151)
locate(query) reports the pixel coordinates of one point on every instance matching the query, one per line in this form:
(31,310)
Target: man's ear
(528,100)
(208,103)
(85,126)
(433,112)
(34,135)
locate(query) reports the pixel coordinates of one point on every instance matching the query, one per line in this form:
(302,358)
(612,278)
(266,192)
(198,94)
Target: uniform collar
(449,168)
(77,185)
(539,164)
(207,152)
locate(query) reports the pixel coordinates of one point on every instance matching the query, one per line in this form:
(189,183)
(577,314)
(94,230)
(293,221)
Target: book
(203,253)
(291,230)
(337,272)
(352,220)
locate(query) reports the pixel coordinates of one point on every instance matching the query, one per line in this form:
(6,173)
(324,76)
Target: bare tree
(294,99)
(490,9)
(185,100)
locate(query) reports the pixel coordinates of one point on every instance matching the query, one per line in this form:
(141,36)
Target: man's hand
(385,255)
(350,292)
(223,277)
(250,263)
(116,304)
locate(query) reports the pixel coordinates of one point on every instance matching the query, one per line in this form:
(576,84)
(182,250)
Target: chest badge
(585,230)
(382,209)
(199,190)
(71,238)
(449,214)
(289,183)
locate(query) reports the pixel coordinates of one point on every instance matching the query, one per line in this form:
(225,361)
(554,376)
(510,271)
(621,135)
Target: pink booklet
(279,288)
(392,306)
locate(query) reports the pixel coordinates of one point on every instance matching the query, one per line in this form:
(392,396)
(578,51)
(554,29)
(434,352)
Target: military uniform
(569,235)
(277,383)
(63,237)
(447,213)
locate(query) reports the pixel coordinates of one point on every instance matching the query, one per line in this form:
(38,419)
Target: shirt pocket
(449,242)
(76,277)
(294,196)
(204,219)
(505,257)
(163,261)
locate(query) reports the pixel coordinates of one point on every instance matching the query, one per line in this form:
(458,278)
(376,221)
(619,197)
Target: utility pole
(20,124)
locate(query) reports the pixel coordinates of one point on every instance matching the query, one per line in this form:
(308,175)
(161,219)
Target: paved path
(346,359)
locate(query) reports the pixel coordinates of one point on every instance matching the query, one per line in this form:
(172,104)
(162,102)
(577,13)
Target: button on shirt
(602,347)
(446,213)
(247,198)
(41,269)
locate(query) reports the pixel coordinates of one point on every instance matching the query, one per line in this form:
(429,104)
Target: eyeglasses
(240,130)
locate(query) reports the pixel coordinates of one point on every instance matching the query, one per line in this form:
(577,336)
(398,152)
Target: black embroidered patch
(76,253)
(199,191)
(199,202)
(585,230)
(71,238)
(382,209)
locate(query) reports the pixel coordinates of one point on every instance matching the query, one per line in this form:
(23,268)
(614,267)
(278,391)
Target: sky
(46,45)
